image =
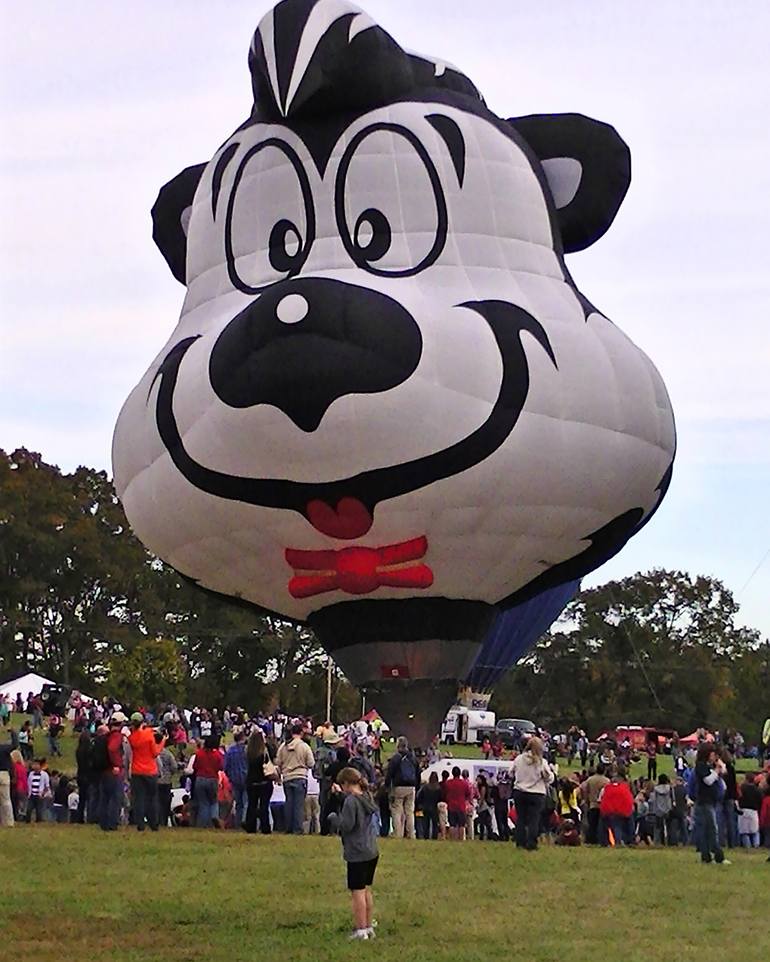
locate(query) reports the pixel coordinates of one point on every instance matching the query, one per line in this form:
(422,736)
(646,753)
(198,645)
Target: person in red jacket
(616,807)
(144,772)
(111,791)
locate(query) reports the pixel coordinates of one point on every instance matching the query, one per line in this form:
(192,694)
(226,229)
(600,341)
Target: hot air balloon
(386,410)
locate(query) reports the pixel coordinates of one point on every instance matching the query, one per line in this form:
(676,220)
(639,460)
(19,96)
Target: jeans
(36,804)
(729,823)
(385,816)
(295,791)
(592,826)
(93,806)
(241,798)
(258,808)
(485,825)
(110,801)
(144,801)
(402,811)
(53,745)
(529,809)
(206,801)
(705,830)
(430,821)
(677,828)
(622,830)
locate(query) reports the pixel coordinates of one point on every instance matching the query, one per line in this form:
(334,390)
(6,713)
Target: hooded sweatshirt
(354,823)
(294,759)
(663,800)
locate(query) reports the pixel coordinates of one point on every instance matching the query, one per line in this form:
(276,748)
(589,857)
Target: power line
(748,581)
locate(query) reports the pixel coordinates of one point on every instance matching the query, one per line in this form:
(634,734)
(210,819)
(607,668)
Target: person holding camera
(144,772)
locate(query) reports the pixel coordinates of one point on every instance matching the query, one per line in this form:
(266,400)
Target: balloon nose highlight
(291,309)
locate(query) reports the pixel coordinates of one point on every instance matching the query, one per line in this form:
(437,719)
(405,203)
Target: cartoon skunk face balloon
(386,409)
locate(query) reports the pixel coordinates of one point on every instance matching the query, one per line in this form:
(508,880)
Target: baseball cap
(119,718)
(332,738)
(137,716)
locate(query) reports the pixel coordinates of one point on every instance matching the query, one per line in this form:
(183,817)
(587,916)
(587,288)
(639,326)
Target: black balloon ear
(588,168)
(170,217)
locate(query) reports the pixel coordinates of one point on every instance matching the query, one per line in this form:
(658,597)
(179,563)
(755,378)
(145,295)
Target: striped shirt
(38,784)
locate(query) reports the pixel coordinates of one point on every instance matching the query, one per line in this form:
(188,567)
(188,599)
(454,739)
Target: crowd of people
(172,768)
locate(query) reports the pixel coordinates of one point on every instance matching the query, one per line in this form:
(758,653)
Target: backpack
(407,770)
(375,825)
(99,755)
(324,756)
(361,766)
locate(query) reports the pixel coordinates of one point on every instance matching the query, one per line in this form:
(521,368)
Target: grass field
(72,892)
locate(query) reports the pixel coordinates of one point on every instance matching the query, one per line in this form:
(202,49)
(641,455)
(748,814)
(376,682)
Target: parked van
(462,725)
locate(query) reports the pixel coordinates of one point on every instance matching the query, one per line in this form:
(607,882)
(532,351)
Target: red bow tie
(358,571)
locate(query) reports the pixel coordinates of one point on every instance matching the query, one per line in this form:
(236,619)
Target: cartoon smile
(342,509)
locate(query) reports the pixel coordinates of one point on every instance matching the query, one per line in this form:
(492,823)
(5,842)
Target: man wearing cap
(144,772)
(111,784)
(326,755)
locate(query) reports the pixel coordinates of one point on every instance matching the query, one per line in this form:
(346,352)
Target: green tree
(149,671)
(660,648)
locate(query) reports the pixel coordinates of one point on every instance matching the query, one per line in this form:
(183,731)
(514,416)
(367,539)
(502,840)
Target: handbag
(269,770)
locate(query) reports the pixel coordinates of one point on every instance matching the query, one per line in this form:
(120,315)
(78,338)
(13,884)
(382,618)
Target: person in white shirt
(532,776)
(73,801)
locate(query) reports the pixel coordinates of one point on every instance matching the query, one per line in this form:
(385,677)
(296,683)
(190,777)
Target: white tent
(31,682)
(25,684)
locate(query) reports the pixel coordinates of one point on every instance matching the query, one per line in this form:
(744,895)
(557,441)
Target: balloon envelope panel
(514,632)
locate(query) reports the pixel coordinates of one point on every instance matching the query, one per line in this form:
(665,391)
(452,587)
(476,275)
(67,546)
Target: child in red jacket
(616,807)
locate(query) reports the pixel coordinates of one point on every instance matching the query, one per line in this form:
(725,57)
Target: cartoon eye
(390,206)
(270,221)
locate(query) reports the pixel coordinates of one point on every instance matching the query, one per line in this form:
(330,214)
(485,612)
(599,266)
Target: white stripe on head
(323,15)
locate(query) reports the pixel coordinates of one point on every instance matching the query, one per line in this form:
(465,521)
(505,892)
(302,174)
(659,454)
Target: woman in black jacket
(259,786)
(85,776)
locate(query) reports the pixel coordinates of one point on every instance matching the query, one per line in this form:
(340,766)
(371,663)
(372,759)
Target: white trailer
(461,725)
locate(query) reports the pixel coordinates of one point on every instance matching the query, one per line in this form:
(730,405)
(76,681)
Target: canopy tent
(31,682)
(373,714)
(694,740)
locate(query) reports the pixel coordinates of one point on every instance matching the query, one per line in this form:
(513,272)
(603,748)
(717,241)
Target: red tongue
(350,520)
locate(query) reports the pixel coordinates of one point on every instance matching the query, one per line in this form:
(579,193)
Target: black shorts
(456,819)
(361,874)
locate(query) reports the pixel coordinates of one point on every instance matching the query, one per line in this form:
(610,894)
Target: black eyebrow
(219,172)
(452,136)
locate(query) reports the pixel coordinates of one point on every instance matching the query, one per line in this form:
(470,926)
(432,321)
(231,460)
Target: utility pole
(329,689)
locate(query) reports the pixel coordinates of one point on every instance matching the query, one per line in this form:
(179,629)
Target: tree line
(82,601)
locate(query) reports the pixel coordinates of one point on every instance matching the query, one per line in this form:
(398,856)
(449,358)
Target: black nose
(307,342)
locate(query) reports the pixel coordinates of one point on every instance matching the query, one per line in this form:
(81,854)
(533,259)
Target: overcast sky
(103,103)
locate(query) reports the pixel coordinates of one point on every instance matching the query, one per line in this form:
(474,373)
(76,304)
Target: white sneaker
(370,932)
(725,861)
(359,934)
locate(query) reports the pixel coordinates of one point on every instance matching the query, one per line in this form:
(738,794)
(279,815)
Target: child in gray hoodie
(358,825)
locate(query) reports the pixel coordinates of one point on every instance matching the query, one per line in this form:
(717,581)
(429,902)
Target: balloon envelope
(514,632)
